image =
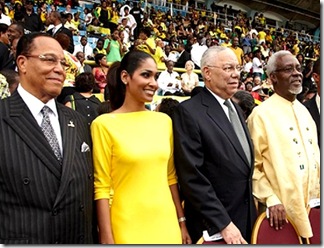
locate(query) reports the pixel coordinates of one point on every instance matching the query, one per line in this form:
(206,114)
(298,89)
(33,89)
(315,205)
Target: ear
(273,79)
(316,76)
(124,76)
(22,63)
(207,73)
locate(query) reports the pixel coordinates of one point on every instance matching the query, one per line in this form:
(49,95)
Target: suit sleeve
(189,162)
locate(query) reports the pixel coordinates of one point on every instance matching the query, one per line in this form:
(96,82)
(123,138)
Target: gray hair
(271,66)
(209,55)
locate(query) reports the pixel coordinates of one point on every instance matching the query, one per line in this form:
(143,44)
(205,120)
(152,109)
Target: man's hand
(232,235)
(277,216)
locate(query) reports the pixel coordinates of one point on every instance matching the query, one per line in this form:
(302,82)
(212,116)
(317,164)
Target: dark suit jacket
(313,110)
(184,57)
(67,32)
(41,203)
(214,174)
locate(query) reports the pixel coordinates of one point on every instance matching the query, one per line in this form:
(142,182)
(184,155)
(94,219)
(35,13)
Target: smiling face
(287,84)
(142,85)
(38,77)
(222,83)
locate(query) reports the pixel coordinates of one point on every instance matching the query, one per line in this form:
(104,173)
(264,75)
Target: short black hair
(168,105)
(84,82)
(25,43)
(245,101)
(3,27)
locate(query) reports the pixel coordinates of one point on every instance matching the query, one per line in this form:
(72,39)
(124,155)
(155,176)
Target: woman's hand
(184,233)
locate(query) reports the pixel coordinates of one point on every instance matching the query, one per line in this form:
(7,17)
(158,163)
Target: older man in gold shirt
(287,158)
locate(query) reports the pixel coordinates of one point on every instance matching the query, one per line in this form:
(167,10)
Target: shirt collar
(34,104)
(318,102)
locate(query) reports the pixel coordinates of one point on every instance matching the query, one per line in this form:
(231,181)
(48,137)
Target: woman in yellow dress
(133,158)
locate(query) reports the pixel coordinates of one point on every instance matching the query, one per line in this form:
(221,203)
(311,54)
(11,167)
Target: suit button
(26,180)
(57,242)
(81,238)
(246,201)
(90,176)
(81,207)
(54,212)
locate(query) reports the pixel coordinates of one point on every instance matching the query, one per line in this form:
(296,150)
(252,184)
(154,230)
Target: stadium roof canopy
(307,11)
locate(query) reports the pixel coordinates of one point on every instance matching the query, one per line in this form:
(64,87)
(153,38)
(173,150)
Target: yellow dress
(133,156)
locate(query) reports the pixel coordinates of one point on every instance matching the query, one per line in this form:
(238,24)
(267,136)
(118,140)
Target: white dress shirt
(165,78)
(197,52)
(35,106)
(88,51)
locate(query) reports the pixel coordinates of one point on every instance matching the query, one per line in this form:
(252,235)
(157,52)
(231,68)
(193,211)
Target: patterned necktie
(50,134)
(238,128)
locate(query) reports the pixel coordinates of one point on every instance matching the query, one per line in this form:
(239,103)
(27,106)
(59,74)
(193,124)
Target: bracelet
(182,219)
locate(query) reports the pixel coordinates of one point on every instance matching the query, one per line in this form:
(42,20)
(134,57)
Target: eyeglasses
(290,69)
(50,60)
(228,68)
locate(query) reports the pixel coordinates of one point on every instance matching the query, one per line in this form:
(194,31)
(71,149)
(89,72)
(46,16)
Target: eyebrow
(149,71)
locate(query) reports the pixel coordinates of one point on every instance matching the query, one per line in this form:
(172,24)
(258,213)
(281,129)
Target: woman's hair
(191,63)
(63,39)
(98,57)
(130,63)
(84,82)
(111,79)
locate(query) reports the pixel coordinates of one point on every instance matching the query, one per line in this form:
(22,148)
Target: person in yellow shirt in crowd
(261,36)
(237,50)
(226,42)
(295,48)
(268,37)
(159,55)
(147,42)
(287,158)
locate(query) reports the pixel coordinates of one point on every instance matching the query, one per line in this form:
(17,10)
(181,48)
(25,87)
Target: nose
(236,73)
(59,68)
(154,83)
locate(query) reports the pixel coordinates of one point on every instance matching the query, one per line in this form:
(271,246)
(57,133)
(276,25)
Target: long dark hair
(130,63)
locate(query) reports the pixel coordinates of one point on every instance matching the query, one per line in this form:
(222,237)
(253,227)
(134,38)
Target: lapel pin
(71,124)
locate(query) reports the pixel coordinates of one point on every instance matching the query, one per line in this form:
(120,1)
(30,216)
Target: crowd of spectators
(178,33)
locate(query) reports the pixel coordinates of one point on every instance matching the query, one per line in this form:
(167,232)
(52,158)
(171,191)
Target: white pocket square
(85,147)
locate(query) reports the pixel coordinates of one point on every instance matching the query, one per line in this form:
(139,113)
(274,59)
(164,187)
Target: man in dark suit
(184,56)
(56,19)
(31,20)
(215,163)
(313,105)
(46,181)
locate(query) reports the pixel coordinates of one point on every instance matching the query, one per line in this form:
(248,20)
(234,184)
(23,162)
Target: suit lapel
(217,114)
(22,121)
(313,109)
(69,134)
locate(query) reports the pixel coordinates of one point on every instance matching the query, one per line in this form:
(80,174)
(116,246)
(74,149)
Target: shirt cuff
(272,200)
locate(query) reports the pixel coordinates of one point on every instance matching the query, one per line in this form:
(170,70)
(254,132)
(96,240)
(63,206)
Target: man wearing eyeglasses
(46,173)
(286,176)
(214,155)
